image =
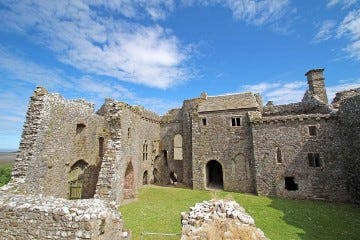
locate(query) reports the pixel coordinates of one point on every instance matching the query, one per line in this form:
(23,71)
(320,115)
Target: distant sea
(4,150)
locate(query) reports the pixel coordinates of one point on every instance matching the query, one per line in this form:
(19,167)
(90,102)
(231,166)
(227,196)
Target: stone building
(308,149)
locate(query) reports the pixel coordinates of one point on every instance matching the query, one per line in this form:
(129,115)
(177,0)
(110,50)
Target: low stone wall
(219,219)
(37,217)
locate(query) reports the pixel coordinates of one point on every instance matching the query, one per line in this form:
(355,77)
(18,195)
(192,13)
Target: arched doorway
(129,182)
(214,175)
(77,179)
(145,178)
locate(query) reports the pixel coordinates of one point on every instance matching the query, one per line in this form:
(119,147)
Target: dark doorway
(214,175)
(145,178)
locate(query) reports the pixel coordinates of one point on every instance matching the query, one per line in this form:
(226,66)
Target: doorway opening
(214,175)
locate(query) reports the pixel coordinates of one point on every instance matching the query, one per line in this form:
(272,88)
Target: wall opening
(290,184)
(314,160)
(80,127)
(278,155)
(312,131)
(214,175)
(129,183)
(236,121)
(101,147)
(145,151)
(155,174)
(145,178)
(178,147)
(203,121)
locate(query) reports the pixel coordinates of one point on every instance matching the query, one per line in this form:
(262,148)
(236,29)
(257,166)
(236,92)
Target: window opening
(80,127)
(312,131)
(129,133)
(203,121)
(145,151)
(236,121)
(290,184)
(278,156)
(101,147)
(145,178)
(314,160)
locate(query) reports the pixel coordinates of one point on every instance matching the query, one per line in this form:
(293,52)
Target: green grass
(5,174)
(157,209)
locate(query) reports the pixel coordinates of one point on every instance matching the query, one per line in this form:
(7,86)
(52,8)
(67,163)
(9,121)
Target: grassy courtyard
(157,209)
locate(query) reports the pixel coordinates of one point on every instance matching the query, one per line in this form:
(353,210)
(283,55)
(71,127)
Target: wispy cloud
(284,93)
(344,3)
(278,92)
(251,11)
(325,32)
(350,28)
(98,42)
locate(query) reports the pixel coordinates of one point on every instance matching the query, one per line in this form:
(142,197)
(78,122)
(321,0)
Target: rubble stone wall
(349,115)
(24,217)
(229,145)
(292,137)
(52,142)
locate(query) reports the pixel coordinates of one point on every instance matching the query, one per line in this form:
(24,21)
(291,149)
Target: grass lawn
(157,209)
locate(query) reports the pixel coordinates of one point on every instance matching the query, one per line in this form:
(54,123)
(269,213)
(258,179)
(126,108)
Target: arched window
(145,151)
(178,147)
(278,156)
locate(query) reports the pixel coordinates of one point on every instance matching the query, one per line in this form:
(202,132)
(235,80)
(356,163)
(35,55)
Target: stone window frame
(145,150)
(314,160)
(312,130)
(278,156)
(236,121)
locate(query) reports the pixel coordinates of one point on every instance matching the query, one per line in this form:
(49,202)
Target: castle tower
(316,81)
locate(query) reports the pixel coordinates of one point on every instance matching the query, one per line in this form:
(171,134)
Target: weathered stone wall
(24,217)
(124,164)
(349,118)
(51,144)
(291,135)
(229,145)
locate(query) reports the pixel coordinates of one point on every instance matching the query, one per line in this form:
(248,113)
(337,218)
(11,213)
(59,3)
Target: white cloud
(99,43)
(251,11)
(350,28)
(326,31)
(278,92)
(345,3)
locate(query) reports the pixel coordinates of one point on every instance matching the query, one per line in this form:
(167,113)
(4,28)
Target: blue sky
(157,53)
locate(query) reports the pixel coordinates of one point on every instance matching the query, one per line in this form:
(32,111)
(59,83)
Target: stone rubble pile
(197,221)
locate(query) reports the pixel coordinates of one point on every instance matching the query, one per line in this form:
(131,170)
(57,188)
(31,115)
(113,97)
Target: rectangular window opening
(314,160)
(203,121)
(312,131)
(236,121)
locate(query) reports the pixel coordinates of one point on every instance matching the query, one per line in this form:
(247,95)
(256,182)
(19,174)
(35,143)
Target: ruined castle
(304,150)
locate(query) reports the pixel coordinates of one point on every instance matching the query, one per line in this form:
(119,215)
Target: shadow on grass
(320,220)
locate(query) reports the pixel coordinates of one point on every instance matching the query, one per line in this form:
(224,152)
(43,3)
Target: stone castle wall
(229,145)
(127,162)
(349,121)
(292,137)
(54,145)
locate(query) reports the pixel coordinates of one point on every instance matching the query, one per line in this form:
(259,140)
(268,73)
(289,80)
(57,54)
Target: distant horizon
(7,150)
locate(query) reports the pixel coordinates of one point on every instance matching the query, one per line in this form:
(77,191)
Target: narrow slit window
(101,147)
(278,156)
(145,151)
